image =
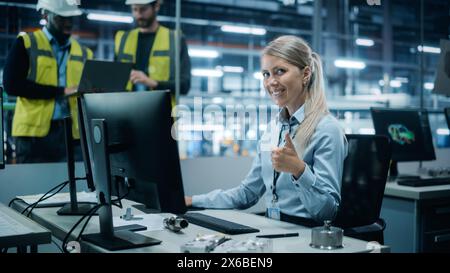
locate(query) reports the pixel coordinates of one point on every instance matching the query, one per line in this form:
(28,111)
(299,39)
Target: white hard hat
(63,8)
(132,2)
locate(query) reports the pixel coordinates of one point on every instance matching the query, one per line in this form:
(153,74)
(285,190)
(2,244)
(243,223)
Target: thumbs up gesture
(285,159)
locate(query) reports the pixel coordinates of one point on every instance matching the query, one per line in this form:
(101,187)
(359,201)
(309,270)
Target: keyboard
(423,182)
(217,224)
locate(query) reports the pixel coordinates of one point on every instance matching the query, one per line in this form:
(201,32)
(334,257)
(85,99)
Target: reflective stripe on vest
(34,52)
(160,63)
(32,117)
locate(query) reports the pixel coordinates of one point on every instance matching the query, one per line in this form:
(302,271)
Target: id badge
(273,212)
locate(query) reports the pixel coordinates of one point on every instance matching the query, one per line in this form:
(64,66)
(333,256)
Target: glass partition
(394,67)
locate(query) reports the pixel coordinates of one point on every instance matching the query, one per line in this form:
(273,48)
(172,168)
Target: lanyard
(61,54)
(60,59)
(275,173)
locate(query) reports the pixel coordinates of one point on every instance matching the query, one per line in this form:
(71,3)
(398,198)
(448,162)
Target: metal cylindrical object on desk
(175,223)
(326,237)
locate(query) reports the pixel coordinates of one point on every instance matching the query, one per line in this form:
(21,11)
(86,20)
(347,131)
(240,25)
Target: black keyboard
(217,224)
(423,182)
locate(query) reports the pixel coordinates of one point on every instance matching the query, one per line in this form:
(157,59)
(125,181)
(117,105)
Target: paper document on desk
(9,226)
(151,221)
(59,198)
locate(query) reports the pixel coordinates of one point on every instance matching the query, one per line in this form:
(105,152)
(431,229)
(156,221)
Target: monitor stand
(395,176)
(109,237)
(117,238)
(72,208)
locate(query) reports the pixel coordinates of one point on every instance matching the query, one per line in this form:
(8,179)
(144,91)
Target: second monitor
(409,132)
(447,115)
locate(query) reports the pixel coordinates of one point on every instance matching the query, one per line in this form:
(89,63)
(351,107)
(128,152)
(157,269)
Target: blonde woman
(298,168)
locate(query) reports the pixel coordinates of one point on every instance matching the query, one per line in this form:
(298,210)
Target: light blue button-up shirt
(61,53)
(315,194)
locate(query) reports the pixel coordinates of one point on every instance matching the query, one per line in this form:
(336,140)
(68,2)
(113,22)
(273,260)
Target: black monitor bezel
(447,116)
(84,146)
(426,133)
(2,143)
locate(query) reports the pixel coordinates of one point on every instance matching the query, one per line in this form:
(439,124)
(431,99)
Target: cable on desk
(87,221)
(118,202)
(19,199)
(89,218)
(12,201)
(57,245)
(44,197)
(88,214)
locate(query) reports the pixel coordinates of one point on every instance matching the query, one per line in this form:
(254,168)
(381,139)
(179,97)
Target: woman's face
(283,81)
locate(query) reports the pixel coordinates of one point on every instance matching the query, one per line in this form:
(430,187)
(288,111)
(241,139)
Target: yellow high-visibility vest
(160,63)
(32,117)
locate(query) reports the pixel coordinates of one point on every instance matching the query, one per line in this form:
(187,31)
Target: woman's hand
(188,201)
(137,76)
(285,159)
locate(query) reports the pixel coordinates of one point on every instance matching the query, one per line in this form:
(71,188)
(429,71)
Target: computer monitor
(409,132)
(144,154)
(447,115)
(140,158)
(2,135)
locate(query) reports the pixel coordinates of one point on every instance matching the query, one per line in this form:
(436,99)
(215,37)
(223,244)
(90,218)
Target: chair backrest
(363,181)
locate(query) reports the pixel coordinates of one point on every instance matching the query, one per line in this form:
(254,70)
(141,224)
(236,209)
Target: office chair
(363,183)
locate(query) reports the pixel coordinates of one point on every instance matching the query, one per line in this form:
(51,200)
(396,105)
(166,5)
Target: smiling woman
(299,164)
(304,78)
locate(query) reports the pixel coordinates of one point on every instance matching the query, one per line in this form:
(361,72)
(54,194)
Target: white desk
(171,241)
(417,218)
(417,193)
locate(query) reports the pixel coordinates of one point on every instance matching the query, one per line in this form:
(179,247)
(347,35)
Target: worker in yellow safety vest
(151,48)
(42,69)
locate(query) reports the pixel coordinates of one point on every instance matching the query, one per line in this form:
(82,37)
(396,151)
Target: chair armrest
(379,225)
